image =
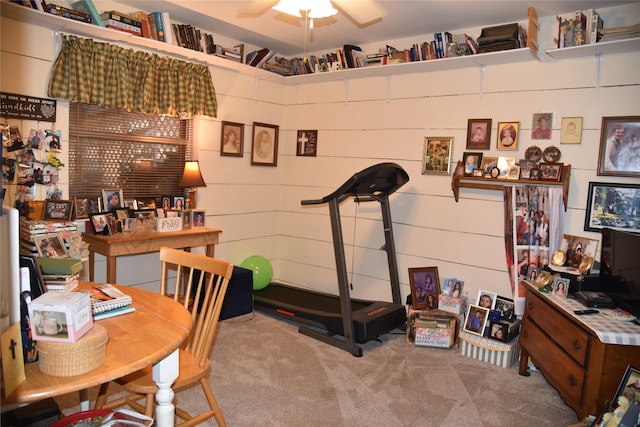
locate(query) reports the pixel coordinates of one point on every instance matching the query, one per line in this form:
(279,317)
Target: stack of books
(61,282)
(30,228)
(108,301)
(60,274)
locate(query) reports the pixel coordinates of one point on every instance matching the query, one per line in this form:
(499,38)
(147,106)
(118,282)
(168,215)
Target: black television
(620,269)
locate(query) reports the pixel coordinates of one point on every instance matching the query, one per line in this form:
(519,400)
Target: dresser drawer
(573,339)
(559,369)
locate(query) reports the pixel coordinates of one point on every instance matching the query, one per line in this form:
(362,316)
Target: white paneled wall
(361,122)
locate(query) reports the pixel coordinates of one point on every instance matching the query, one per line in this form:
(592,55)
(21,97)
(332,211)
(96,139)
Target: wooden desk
(582,357)
(149,336)
(125,244)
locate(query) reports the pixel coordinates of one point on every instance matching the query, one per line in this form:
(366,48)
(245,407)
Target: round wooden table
(150,335)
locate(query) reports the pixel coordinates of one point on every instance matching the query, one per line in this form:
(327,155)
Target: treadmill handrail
(381,179)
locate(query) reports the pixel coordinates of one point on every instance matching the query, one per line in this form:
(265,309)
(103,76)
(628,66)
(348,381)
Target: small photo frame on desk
(186,219)
(112,198)
(198,218)
(86,205)
(51,246)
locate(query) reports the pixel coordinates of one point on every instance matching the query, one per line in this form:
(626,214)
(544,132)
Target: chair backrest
(200,285)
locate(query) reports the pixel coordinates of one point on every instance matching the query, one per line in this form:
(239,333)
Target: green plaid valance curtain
(111,76)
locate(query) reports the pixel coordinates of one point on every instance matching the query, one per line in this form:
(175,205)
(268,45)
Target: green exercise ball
(262,271)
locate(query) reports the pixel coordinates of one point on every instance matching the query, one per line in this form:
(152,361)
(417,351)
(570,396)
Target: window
(112,148)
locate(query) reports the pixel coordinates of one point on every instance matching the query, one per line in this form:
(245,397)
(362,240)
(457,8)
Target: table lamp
(192,178)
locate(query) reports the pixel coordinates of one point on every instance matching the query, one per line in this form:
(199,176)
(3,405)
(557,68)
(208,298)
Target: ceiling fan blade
(255,7)
(361,11)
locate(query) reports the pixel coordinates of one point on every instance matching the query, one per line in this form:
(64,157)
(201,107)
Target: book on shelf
(106,297)
(65,12)
(157,26)
(594,24)
(166,23)
(118,311)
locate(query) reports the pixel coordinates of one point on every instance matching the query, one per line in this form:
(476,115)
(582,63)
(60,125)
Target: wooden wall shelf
(498,184)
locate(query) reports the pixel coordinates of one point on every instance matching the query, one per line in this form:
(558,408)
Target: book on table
(107,297)
(114,312)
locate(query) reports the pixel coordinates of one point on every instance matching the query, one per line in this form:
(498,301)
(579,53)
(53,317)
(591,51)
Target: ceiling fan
(362,13)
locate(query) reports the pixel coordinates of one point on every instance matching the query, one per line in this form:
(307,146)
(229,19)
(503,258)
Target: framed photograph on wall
(51,245)
(57,210)
(307,143)
(508,135)
(571,130)
(112,198)
(541,125)
(86,205)
(264,147)
(479,134)
(619,153)
(232,139)
(423,281)
(436,159)
(613,205)
(476,319)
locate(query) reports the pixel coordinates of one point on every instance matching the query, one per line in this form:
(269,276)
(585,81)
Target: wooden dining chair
(200,285)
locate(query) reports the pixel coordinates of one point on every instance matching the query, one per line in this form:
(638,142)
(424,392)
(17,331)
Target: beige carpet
(267,374)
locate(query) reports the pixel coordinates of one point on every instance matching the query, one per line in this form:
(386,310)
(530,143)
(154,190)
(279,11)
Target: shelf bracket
(388,88)
(257,81)
(297,93)
(346,92)
(481,90)
(598,73)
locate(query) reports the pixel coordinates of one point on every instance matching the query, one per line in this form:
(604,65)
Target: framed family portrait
(112,198)
(476,319)
(508,135)
(436,159)
(479,134)
(264,147)
(57,210)
(87,205)
(423,281)
(613,205)
(619,153)
(51,245)
(232,139)
(307,143)
(571,130)
(550,171)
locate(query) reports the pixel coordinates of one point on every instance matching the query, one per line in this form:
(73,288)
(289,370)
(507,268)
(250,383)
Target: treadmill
(344,321)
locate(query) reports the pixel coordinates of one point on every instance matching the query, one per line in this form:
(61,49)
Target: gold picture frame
(436,158)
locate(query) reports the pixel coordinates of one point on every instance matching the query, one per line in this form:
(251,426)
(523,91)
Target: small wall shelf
(600,48)
(498,184)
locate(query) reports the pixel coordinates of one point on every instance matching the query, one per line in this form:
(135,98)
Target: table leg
(92,263)
(111,269)
(210,251)
(165,373)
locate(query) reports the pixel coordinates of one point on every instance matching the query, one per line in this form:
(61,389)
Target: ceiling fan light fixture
(291,7)
(321,9)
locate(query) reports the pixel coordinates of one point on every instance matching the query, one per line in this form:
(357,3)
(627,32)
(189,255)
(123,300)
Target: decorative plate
(533,153)
(551,154)
(585,264)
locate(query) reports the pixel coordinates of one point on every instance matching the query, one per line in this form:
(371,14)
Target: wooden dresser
(582,357)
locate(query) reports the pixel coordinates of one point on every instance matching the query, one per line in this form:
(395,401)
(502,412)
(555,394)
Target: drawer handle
(525,334)
(530,305)
(573,381)
(576,345)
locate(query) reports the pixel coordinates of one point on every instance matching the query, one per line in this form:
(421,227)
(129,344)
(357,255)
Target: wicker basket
(67,359)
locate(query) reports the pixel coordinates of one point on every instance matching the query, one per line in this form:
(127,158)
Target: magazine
(107,297)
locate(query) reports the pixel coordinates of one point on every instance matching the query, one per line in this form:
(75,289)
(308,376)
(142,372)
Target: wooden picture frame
(423,281)
(112,198)
(35,209)
(471,161)
(550,171)
(479,134)
(86,205)
(514,172)
(198,218)
(618,140)
(232,139)
(606,204)
(508,133)
(476,320)
(436,158)
(51,245)
(57,210)
(629,385)
(571,130)
(488,163)
(307,143)
(264,144)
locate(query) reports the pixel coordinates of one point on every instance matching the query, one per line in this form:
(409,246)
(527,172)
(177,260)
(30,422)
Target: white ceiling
(401,19)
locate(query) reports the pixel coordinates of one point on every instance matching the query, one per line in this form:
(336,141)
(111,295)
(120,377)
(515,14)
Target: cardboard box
(60,316)
(452,305)
(488,350)
(432,328)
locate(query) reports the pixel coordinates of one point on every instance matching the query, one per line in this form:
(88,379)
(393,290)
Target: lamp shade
(191,176)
